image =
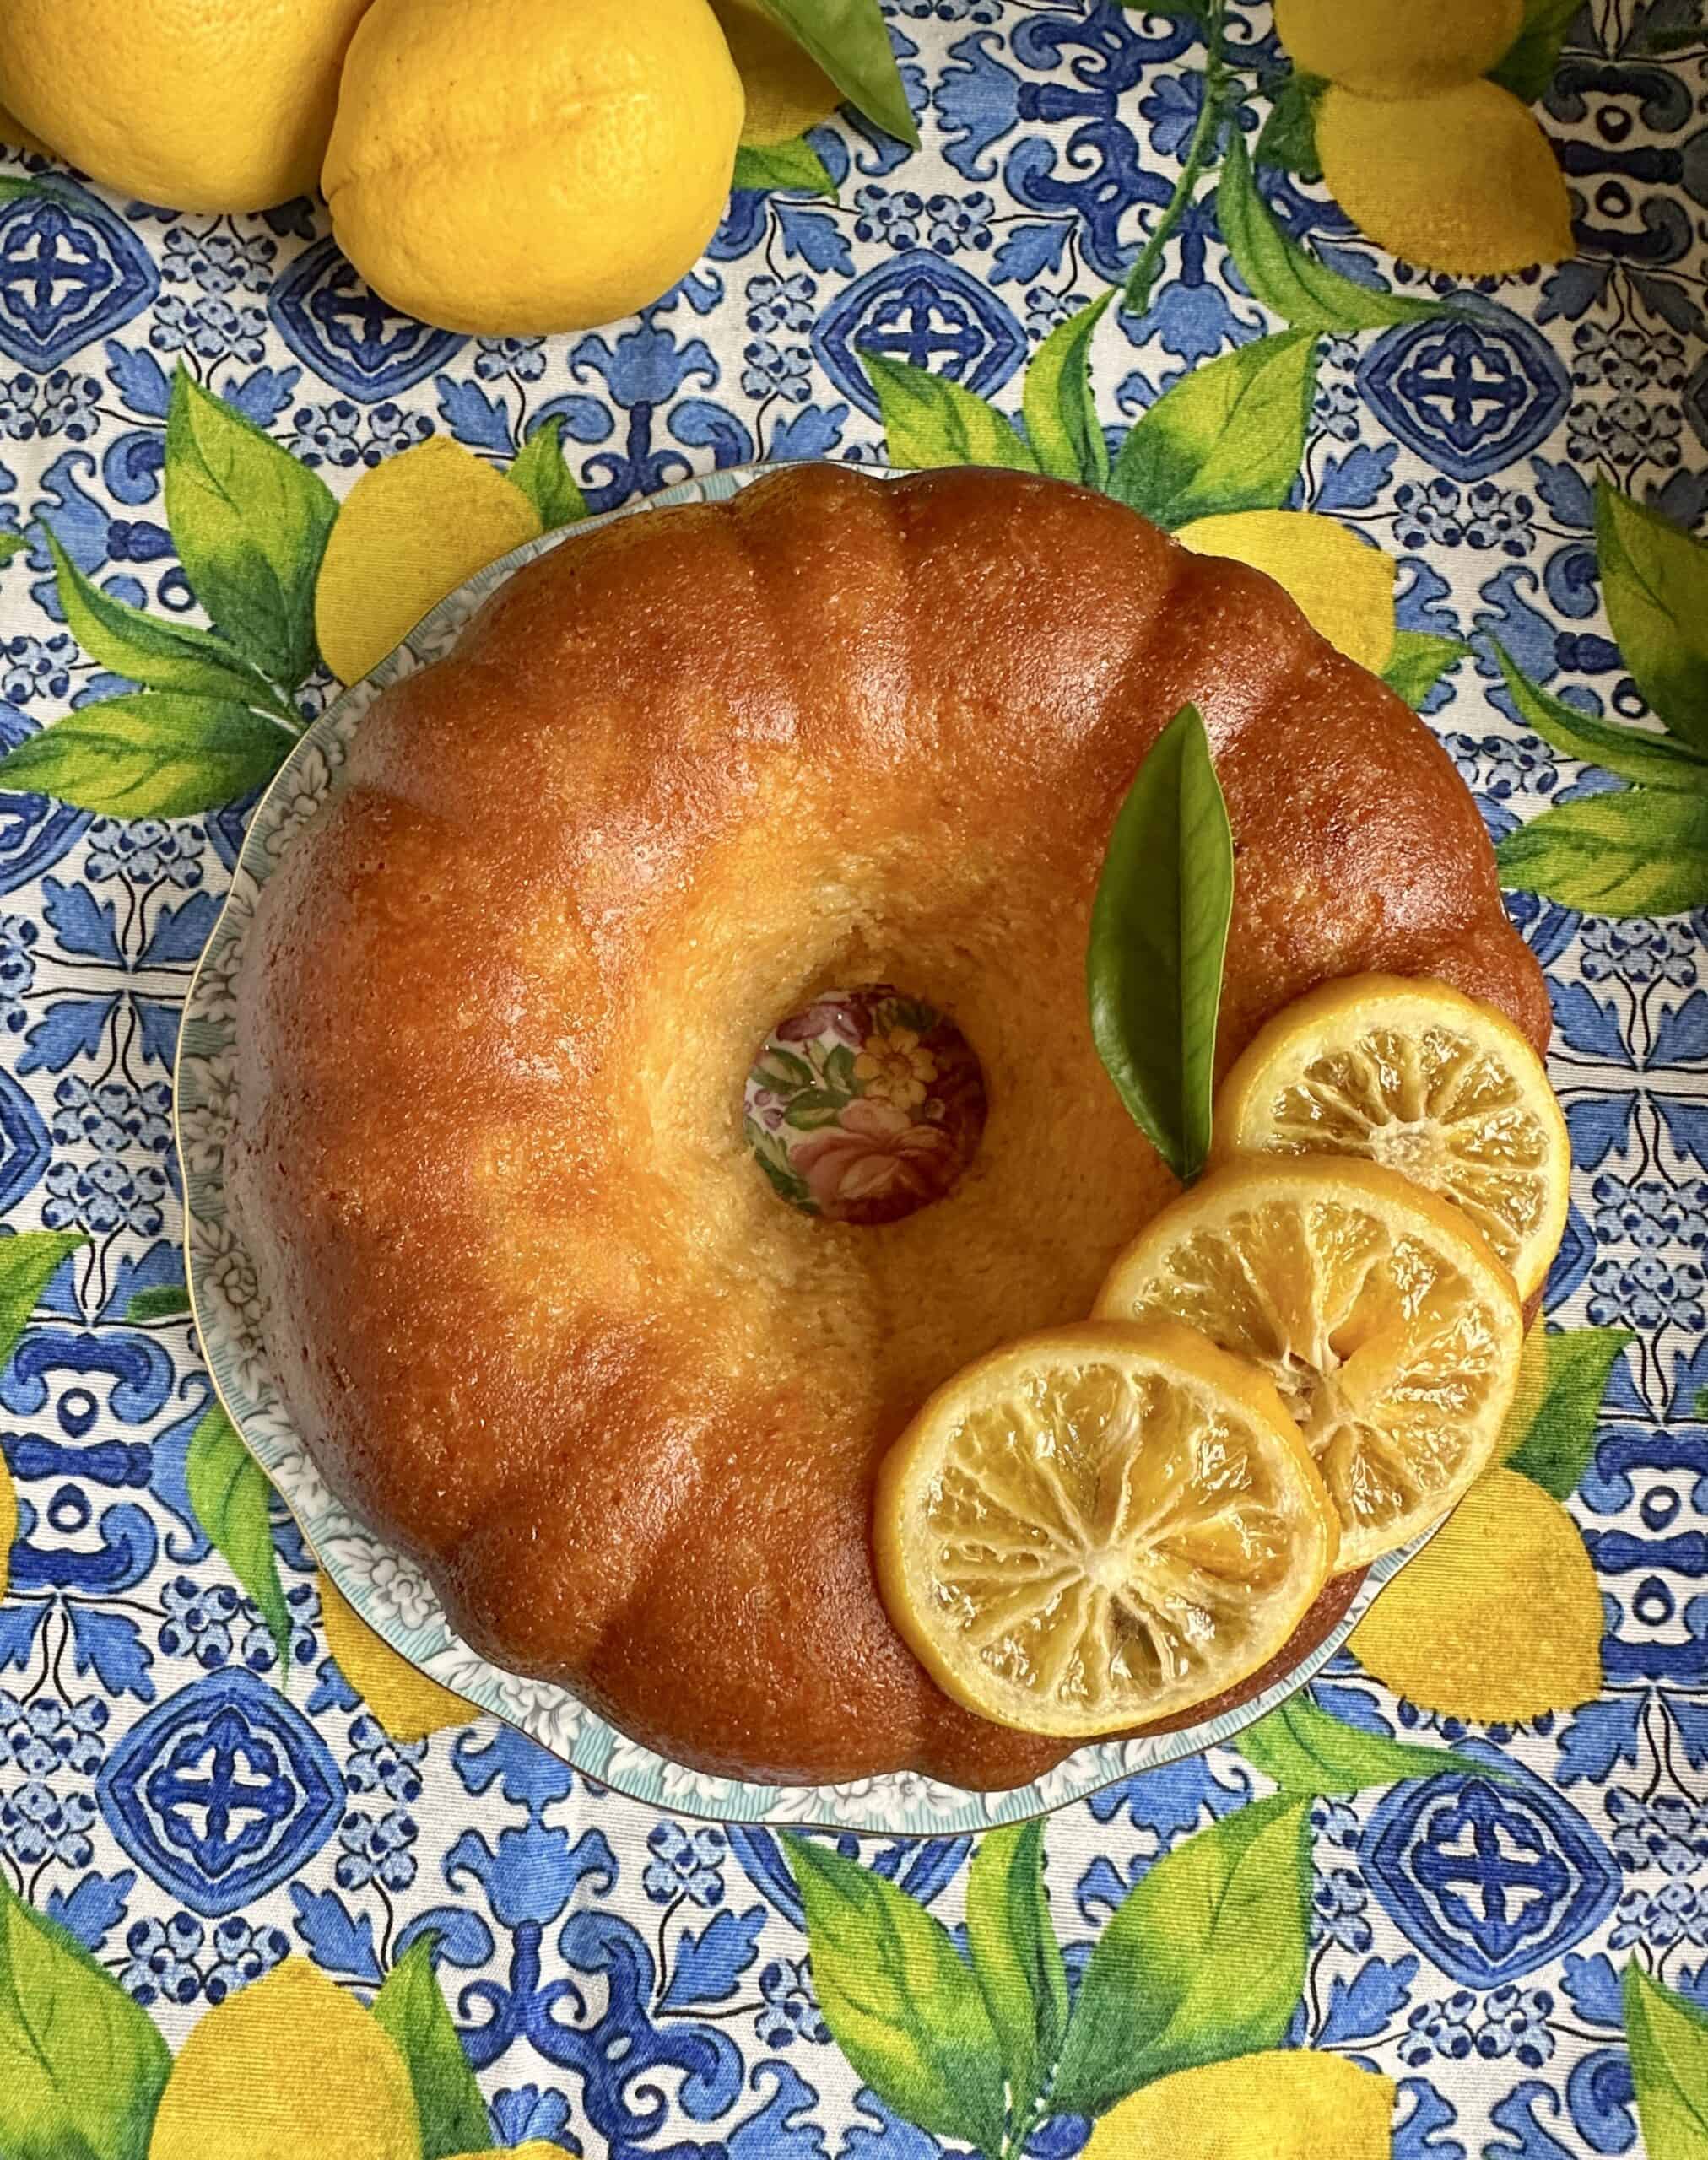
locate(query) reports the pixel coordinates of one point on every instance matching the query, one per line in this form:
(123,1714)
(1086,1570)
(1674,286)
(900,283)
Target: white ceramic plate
(386,1590)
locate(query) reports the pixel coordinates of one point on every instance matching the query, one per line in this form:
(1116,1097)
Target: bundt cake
(536,1312)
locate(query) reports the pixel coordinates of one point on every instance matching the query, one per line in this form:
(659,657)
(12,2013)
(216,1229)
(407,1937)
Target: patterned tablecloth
(198,1787)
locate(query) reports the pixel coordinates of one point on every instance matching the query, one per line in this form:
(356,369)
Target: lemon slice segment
(1390,1329)
(1099,1527)
(1418,1077)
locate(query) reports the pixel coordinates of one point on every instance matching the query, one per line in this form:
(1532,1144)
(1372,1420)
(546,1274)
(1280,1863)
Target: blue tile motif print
(636,1983)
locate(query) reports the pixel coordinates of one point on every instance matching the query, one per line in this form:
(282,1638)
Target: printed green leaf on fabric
(1204,1959)
(1654,582)
(250,526)
(791,168)
(1641,853)
(1016,1958)
(1227,436)
(928,420)
(1288,137)
(850,42)
(1649,759)
(1288,278)
(1527,67)
(540,471)
(1159,940)
(156,655)
(28,1263)
(162,1301)
(82,2067)
(1417,662)
(411,2008)
(1554,1449)
(11,544)
(1668,2040)
(899,2000)
(231,1499)
(1305,1750)
(1062,425)
(157,754)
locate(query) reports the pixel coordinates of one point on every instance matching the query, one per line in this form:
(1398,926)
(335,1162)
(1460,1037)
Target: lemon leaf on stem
(1527,67)
(1061,413)
(793,168)
(1417,662)
(232,1501)
(928,420)
(540,471)
(1650,760)
(1159,942)
(411,2008)
(1668,2040)
(1642,852)
(160,754)
(1227,436)
(1654,582)
(1305,1750)
(1554,1450)
(1016,1958)
(1288,137)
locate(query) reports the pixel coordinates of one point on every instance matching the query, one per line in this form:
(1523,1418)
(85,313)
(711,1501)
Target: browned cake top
(536,1312)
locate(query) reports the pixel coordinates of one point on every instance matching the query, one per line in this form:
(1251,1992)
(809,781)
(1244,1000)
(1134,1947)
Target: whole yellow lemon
(549,175)
(199,104)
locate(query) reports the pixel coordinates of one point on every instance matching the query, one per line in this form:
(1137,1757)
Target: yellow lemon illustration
(1465,182)
(288,2068)
(407,1703)
(1398,48)
(788,91)
(407,533)
(558,175)
(199,104)
(1498,1617)
(536,2149)
(1287,2105)
(1342,587)
(9,1525)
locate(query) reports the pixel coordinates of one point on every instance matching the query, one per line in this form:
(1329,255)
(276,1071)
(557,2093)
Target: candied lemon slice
(1425,1080)
(1098,1526)
(1391,1331)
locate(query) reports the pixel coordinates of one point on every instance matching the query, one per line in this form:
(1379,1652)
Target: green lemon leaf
(1016,1958)
(899,2001)
(28,1263)
(1288,137)
(1061,424)
(1555,1450)
(162,1301)
(1417,662)
(1305,1750)
(82,2068)
(1650,760)
(1527,69)
(1205,1959)
(1640,853)
(250,524)
(231,1497)
(1159,939)
(850,42)
(1185,11)
(1286,278)
(929,420)
(158,655)
(540,471)
(1227,436)
(1655,582)
(1668,2040)
(160,754)
(11,544)
(792,168)
(411,2008)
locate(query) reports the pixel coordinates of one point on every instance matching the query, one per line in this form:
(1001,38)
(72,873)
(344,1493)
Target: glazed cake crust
(534,1308)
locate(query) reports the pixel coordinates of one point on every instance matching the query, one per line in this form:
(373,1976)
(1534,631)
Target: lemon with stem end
(1398,48)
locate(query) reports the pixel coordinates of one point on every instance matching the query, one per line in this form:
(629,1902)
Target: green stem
(1143,275)
(1014,2144)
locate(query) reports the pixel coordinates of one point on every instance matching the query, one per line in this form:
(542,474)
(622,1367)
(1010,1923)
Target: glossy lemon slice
(1389,1328)
(1425,1080)
(1099,1527)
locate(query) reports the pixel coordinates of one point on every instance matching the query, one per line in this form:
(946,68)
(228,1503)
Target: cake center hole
(865,1105)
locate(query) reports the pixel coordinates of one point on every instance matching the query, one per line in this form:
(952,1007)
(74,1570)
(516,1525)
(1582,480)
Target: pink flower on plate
(875,1164)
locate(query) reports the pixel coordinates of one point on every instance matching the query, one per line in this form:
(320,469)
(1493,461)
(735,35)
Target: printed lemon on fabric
(1498,1618)
(408,532)
(1342,586)
(405,1701)
(1437,162)
(1291,2105)
(786,90)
